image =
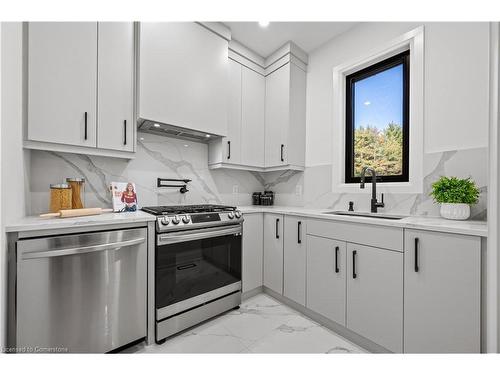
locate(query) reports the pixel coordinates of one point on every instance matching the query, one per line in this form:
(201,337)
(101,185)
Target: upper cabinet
(286,118)
(252,117)
(243,148)
(62,76)
(266,111)
(115,86)
(80,87)
(183,70)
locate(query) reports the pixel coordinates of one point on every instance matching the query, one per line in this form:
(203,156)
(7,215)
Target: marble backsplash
(155,157)
(175,158)
(316,186)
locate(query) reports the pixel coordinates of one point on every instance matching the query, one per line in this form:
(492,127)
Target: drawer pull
(337,269)
(416,255)
(354,275)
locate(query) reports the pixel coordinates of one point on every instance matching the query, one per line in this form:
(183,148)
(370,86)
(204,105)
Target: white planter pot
(455,211)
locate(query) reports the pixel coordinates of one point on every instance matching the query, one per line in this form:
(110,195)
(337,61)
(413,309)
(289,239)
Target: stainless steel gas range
(197,264)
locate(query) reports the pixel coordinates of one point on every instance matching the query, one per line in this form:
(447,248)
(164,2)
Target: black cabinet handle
(85,129)
(299,237)
(337,269)
(124,132)
(416,254)
(277,224)
(229,149)
(354,275)
(282,158)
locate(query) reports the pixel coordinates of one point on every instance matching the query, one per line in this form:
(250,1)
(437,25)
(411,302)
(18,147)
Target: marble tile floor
(261,325)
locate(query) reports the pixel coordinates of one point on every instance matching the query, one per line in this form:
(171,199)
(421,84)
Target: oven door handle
(171,238)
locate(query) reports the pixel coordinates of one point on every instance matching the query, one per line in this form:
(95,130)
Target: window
(377,120)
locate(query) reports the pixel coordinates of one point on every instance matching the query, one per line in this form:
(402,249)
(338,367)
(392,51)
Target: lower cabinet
(435,276)
(442,289)
(375,295)
(253,251)
(294,259)
(273,252)
(326,278)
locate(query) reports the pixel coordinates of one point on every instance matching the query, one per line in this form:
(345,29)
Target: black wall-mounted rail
(181,183)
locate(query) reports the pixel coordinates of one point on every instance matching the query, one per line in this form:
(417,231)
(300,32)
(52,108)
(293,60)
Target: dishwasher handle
(81,249)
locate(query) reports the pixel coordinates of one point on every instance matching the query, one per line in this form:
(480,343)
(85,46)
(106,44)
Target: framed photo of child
(124,196)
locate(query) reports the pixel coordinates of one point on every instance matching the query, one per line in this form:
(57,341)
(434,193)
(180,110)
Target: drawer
(364,234)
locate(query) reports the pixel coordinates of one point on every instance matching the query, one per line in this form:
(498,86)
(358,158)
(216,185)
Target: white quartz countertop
(468,227)
(31,223)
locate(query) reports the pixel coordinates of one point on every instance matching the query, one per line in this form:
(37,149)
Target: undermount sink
(366,214)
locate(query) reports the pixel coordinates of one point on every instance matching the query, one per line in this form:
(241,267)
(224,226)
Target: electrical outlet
(235,189)
(298,190)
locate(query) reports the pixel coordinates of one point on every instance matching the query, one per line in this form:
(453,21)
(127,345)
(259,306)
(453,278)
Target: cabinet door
(232,143)
(294,259)
(375,295)
(273,252)
(295,132)
(252,118)
(115,86)
(184,76)
(442,293)
(253,251)
(277,115)
(62,76)
(326,277)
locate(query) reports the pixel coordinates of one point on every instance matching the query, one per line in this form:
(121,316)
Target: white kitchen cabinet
(273,252)
(62,76)
(442,293)
(183,76)
(294,259)
(375,295)
(243,148)
(277,115)
(115,86)
(233,140)
(326,278)
(252,118)
(253,251)
(285,118)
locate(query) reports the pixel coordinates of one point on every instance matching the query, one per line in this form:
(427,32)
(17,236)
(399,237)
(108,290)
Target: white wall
(456,84)
(14,160)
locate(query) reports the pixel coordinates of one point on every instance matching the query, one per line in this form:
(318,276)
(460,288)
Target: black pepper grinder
(351,206)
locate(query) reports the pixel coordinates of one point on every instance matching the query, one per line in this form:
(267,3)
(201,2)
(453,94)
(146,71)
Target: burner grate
(187,209)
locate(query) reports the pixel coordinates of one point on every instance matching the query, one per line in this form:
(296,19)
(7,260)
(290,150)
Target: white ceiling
(307,35)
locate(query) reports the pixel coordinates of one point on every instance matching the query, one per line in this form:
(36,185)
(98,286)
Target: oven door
(195,267)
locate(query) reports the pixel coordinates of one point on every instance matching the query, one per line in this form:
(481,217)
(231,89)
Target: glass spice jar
(60,197)
(77,191)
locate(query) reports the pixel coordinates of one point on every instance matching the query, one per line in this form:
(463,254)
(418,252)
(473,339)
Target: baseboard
(250,293)
(335,327)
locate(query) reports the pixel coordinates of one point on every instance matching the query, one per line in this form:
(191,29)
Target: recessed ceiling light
(207,135)
(156,125)
(186,145)
(263,23)
(141,139)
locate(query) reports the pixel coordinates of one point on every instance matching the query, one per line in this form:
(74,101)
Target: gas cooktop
(175,218)
(187,209)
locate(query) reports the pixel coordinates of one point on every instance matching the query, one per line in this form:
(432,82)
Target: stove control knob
(230,215)
(237,214)
(165,220)
(185,219)
(175,220)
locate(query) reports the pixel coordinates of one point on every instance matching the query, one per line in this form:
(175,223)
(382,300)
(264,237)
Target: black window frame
(401,58)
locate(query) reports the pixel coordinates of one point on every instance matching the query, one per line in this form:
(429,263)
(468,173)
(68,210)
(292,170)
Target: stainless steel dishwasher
(81,293)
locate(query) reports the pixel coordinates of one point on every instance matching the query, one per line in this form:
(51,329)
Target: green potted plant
(455,196)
